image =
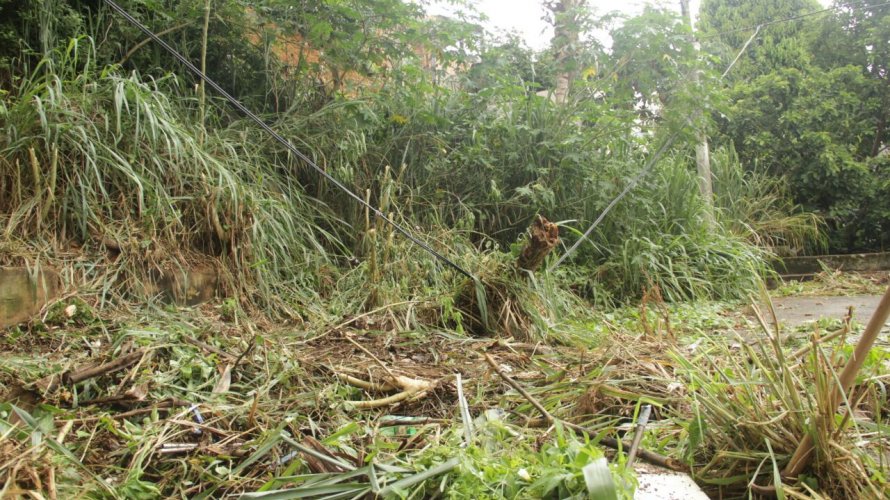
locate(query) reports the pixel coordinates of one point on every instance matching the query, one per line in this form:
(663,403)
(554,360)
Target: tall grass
(759,208)
(749,413)
(659,237)
(477,163)
(110,164)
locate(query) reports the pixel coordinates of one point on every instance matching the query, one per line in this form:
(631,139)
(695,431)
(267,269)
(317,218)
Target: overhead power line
(860,6)
(284,142)
(630,185)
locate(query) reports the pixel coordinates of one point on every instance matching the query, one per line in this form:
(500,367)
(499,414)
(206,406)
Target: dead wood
(411,388)
(544,235)
(50,383)
(163,405)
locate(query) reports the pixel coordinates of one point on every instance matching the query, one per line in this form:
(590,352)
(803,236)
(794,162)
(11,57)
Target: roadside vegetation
(338,359)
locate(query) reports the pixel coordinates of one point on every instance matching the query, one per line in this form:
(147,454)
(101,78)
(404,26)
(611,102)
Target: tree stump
(544,237)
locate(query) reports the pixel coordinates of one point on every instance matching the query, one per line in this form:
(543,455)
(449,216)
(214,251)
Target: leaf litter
(185,404)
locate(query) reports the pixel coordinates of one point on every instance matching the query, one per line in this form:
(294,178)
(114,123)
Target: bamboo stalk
(804,451)
(201,92)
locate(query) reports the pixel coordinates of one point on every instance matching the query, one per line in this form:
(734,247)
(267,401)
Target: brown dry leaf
(225,380)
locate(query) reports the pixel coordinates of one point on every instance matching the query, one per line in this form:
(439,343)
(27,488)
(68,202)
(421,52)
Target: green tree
(725,26)
(860,36)
(809,102)
(654,59)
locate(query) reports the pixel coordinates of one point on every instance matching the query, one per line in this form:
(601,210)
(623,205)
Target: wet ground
(797,311)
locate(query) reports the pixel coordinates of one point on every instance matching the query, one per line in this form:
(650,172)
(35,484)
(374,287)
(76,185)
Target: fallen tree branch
(649,456)
(50,383)
(363,384)
(377,403)
(112,366)
(163,405)
(411,388)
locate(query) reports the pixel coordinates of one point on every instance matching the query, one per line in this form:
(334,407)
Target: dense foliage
(431,119)
(809,102)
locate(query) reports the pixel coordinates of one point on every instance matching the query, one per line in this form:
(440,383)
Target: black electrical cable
(630,185)
(259,121)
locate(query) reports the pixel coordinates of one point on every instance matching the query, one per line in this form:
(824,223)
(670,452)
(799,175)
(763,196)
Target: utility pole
(702,152)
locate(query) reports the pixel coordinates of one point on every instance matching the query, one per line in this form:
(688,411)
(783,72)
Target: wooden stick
(804,451)
(363,384)
(50,383)
(377,403)
(112,366)
(165,405)
(411,387)
(649,456)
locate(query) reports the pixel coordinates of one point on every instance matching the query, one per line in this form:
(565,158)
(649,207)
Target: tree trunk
(544,237)
(565,43)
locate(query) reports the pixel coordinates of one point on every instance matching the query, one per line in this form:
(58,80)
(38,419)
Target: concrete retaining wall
(860,262)
(24,293)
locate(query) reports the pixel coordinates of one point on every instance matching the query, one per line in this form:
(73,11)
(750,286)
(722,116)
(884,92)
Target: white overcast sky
(525,16)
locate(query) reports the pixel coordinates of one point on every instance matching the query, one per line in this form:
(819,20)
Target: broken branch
(50,383)
(411,387)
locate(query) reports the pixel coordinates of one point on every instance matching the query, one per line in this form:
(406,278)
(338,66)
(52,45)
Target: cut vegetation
(203,316)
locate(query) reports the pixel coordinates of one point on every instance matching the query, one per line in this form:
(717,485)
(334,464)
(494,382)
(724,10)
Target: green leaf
(598,480)
(777,476)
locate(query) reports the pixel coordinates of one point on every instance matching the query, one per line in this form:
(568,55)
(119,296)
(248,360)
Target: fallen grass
(836,282)
(206,407)
(209,407)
